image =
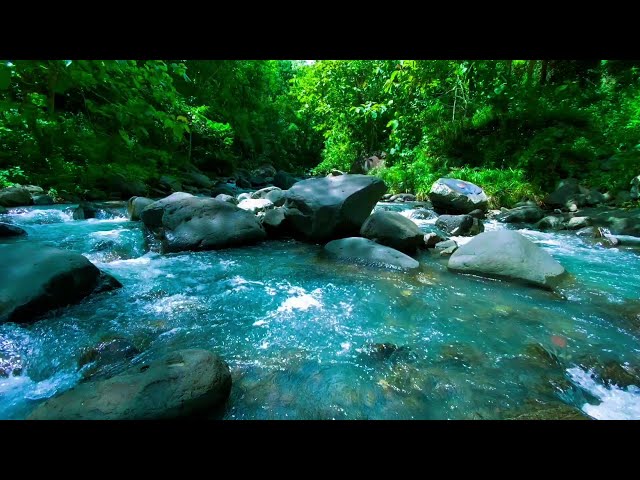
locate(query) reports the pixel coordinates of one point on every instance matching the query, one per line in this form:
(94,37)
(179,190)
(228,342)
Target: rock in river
(393,230)
(366,251)
(184,222)
(177,385)
(36,278)
(15,197)
(135,205)
(321,209)
(8,230)
(449,195)
(507,254)
(460,225)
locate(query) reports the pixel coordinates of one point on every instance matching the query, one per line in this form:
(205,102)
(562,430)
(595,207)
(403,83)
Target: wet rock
(85,211)
(524,214)
(507,254)
(274,222)
(575,223)
(16,196)
(550,222)
(227,198)
(548,412)
(393,230)
(477,213)
(366,251)
(431,239)
(386,197)
(244,196)
(320,209)
(11,362)
(242,182)
(34,189)
(449,195)
(564,194)
(284,180)
(36,278)
(8,230)
(135,205)
(335,172)
(102,359)
(256,205)
(183,222)
(383,352)
(446,247)
(263,192)
(42,200)
(460,225)
(179,384)
(611,372)
(403,197)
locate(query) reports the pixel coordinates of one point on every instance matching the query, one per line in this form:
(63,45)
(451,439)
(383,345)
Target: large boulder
(42,200)
(363,250)
(275,223)
(523,214)
(507,254)
(320,209)
(393,230)
(256,205)
(564,195)
(15,197)
(185,222)
(36,278)
(135,205)
(460,225)
(177,385)
(449,195)
(8,230)
(283,180)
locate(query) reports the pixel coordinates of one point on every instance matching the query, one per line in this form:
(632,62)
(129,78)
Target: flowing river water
(310,338)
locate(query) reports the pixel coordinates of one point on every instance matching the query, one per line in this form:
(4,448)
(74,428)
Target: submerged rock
(321,209)
(507,254)
(449,195)
(460,225)
(184,222)
(363,250)
(393,230)
(36,278)
(8,230)
(15,197)
(554,411)
(177,385)
(103,357)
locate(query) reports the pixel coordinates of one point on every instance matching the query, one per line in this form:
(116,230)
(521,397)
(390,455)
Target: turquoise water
(299,331)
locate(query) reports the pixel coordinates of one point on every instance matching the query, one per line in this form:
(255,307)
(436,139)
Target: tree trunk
(51,97)
(543,72)
(531,66)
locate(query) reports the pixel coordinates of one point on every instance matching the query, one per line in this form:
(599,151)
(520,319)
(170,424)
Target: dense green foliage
(512,126)
(75,125)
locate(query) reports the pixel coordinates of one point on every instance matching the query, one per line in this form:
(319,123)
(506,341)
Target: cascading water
(309,338)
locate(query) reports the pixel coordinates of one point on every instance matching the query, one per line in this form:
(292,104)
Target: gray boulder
(283,180)
(363,250)
(507,254)
(276,197)
(274,222)
(393,230)
(15,197)
(244,196)
(551,222)
(185,222)
(321,209)
(34,189)
(179,384)
(42,200)
(564,195)
(8,230)
(460,225)
(449,195)
(575,223)
(431,239)
(263,192)
(523,214)
(256,205)
(135,205)
(227,198)
(36,278)
(265,170)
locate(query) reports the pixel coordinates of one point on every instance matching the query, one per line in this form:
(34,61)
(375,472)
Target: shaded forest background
(515,127)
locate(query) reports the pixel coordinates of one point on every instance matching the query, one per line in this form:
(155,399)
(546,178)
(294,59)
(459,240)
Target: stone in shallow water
(107,354)
(507,254)
(362,250)
(36,278)
(393,230)
(179,384)
(8,230)
(449,195)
